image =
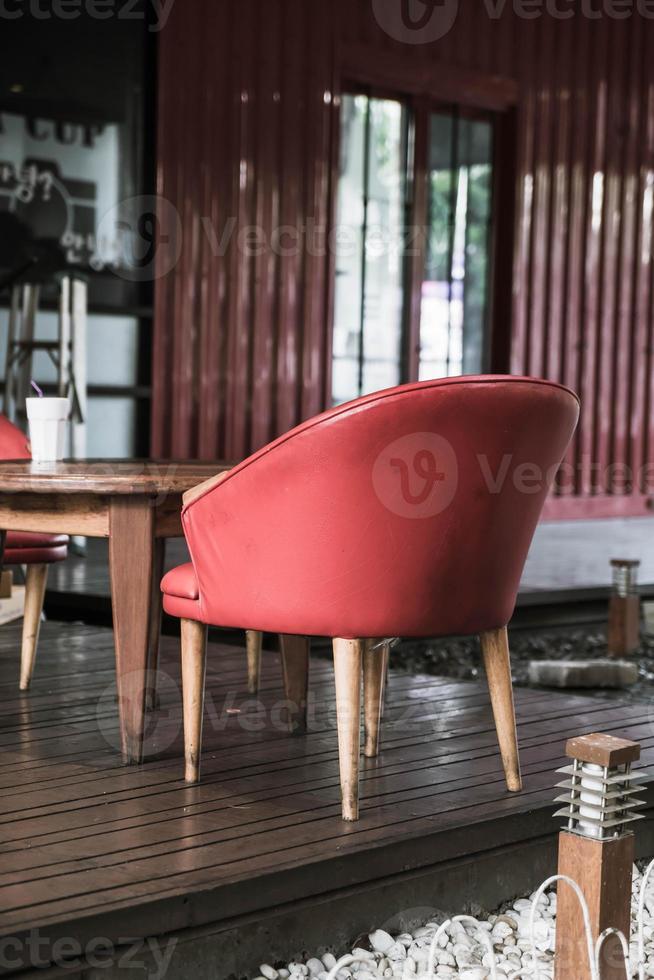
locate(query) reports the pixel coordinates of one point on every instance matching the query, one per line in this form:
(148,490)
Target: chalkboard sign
(72,139)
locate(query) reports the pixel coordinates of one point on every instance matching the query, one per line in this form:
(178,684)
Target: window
(368,302)
(378,172)
(454,290)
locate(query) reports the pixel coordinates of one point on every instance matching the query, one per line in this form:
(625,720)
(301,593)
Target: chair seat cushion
(181,595)
(31,547)
(34,539)
(181,582)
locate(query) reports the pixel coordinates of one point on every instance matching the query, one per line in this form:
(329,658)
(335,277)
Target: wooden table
(136,504)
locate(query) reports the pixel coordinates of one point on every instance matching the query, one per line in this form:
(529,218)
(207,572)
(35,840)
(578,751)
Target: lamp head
(600,788)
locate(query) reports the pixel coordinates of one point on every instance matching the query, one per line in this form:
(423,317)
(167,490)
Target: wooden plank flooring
(89,847)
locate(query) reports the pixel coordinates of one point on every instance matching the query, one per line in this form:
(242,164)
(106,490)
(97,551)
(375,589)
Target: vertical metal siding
(247,130)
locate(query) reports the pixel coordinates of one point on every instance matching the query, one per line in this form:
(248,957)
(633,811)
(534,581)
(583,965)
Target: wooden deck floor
(89,848)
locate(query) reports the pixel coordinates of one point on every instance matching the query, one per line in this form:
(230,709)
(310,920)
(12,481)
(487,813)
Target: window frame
(430,89)
(371,93)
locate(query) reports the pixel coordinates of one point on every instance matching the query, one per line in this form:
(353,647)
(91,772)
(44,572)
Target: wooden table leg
(131,564)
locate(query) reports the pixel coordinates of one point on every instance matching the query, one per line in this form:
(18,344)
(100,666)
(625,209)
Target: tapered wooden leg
(159,556)
(194,659)
(295,666)
(131,562)
(495,649)
(35,582)
(374,677)
(348,657)
(253,641)
(387,656)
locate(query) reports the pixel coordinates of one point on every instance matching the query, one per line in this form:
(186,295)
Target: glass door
(368,298)
(454,298)
(412,244)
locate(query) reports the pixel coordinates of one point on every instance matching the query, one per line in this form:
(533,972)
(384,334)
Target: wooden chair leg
(194,657)
(156,602)
(295,667)
(495,649)
(35,583)
(374,678)
(348,657)
(386,649)
(253,641)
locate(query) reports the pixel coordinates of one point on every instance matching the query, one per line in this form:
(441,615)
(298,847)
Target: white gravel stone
(396,951)
(501,930)
(462,951)
(380,940)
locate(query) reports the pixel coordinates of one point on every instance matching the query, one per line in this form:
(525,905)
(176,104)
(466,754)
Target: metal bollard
(624,608)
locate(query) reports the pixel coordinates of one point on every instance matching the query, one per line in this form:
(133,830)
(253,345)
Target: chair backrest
(13,442)
(408,512)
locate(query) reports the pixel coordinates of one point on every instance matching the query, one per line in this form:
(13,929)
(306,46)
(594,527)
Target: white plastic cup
(47,421)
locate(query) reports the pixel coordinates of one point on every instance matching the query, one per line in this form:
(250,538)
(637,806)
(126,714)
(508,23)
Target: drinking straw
(36,388)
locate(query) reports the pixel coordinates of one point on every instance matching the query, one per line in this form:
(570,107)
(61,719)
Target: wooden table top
(106,476)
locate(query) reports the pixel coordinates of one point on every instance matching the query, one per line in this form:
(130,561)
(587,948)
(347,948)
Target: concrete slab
(583,673)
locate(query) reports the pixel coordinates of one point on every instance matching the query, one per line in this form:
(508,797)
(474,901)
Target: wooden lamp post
(624,608)
(597,851)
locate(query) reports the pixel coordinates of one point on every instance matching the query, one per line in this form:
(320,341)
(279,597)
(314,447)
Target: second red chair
(36,551)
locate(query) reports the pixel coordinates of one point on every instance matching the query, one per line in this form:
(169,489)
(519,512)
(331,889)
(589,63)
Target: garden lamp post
(596,849)
(624,608)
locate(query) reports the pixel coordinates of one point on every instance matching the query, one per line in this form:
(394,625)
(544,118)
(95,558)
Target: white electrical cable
(338,966)
(611,931)
(594,975)
(641,921)
(443,928)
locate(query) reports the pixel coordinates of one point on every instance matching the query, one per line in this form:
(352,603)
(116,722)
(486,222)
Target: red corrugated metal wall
(247,127)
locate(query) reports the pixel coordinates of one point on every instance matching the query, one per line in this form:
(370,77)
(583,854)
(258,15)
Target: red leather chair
(37,551)
(408,512)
